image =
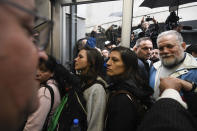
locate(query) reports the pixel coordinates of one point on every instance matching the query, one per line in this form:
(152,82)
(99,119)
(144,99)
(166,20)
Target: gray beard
(172,64)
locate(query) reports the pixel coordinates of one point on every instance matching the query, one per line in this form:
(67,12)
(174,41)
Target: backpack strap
(80,103)
(133,99)
(86,86)
(101,82)
(130,96)
(52,102)
(52,97)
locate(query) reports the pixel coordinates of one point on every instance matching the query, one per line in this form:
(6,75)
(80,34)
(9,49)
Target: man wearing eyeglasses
(18,59)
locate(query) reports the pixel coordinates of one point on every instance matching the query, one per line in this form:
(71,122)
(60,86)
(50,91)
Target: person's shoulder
(190,61)
(157,64)
(140,62)
(43,90)
(52,84)
(44,93)
(97,87)
(122,100)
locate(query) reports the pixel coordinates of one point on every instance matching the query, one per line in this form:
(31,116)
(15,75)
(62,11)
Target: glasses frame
(37,17)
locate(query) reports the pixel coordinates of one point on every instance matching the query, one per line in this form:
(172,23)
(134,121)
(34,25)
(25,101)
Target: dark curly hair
(60,74)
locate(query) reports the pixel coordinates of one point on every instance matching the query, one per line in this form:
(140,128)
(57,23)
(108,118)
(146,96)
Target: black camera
(173,17)
(114,27)
(148,18)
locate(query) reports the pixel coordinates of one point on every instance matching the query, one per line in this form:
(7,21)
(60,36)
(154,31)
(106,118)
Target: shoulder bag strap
(52,102)
(82,106)
(52,96)
(130,96)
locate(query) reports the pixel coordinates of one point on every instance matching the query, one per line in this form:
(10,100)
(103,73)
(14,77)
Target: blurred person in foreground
(170,112)
(54,80)
(19,59)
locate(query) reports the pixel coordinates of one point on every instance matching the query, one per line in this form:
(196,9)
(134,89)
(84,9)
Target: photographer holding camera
(113,33)
(148,30)
(172,22)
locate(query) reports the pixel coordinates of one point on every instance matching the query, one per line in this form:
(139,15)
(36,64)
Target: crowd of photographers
(148,27)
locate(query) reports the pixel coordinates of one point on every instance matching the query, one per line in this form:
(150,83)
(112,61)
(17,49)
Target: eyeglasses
(41,33)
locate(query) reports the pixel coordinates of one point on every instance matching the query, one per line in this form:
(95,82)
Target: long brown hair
(95,61)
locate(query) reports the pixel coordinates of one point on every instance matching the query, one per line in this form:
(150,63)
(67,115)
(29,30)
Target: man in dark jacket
(143,49)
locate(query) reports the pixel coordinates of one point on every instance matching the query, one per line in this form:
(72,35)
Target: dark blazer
(191,98)
(168,115)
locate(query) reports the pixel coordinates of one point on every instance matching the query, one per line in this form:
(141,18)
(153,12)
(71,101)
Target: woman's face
(43,75)
(81,62)
(115,65)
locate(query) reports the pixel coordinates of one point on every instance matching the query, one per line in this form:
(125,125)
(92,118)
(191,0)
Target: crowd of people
(110,89)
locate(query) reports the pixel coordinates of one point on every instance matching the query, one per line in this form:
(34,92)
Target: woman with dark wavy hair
(51,75)
(128,92)
(89,64)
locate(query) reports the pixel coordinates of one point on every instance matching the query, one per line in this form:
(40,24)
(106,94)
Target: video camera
(172,21)
(114,27)
(148,18)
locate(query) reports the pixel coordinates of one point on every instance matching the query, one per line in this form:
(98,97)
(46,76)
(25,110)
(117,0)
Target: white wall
(98,13)
(81,29)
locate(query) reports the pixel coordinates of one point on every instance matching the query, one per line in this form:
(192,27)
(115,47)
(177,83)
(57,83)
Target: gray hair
(177,35)
(142,39)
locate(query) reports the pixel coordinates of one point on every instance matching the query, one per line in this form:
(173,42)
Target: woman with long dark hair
(89,64)
(53,79)
(128,92)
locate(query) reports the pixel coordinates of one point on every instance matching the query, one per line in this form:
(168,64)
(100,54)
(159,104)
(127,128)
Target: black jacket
(190,98)
(168,115)
(121,112)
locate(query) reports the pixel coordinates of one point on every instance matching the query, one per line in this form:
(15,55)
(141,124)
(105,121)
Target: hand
(174,83)
(95,28)
(170,83)
(142,21)
(154,20)
(187,86)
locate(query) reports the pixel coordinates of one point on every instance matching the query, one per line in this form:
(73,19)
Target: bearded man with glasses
(19,57)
